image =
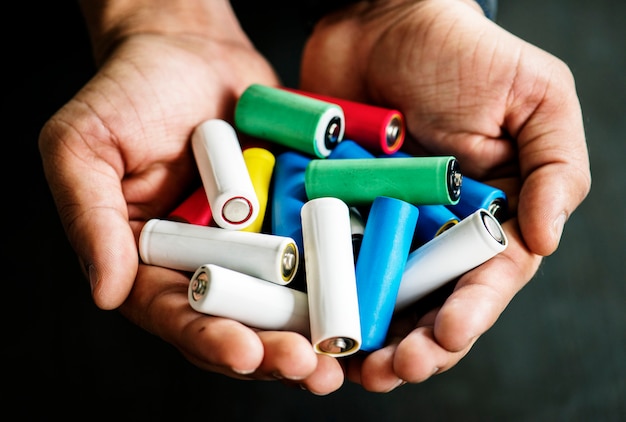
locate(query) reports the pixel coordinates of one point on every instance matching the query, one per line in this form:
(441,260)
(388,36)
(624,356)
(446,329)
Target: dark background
(558,353)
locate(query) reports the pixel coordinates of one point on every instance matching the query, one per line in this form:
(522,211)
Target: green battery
(293,120)
(358,181)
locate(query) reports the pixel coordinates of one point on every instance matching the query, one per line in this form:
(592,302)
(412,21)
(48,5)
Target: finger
(158,303)
(420,356)
(288,356)
(377,373)
(327,377)
(90,203)
(553,153)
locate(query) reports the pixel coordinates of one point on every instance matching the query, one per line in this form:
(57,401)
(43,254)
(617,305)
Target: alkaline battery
(434,220)
(260,163)
(222,292)
(296,121)
(194,209)
(224,174)
(377,129)
(464,246)
(479,195)
(380,265)
(185,247)
(416,180)
(330,277)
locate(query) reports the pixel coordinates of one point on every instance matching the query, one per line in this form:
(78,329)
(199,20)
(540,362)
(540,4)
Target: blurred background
(558,352)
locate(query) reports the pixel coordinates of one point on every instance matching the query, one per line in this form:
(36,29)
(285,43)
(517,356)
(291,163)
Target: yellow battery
(260,163)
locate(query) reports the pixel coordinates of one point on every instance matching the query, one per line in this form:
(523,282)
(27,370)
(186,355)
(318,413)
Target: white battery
(222,292)
(185,247)
(464,246)
(330,277)
(224,174)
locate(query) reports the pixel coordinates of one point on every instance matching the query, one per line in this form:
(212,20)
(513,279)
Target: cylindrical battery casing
(299,122)
(185,247)
(288,196)
(222,292)
(194,209)
(478,195)
(330,277)
(380,265)
(434,220)
(260,163)
(464,246)
(224,174)
(377,129)
(416,180)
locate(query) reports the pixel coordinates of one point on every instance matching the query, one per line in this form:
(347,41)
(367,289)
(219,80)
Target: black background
(557,353)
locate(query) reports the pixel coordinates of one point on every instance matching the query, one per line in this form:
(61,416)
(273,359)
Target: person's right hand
(118,154)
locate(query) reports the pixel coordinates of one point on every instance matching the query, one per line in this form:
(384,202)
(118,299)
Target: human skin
(118,154)
(510,114)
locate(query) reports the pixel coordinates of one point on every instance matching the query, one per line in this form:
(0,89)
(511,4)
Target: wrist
(110,21)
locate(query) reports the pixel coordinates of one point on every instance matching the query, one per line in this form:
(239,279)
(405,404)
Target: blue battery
(384,250)
(349,149)
(288,196)
(434,220)
(477,195)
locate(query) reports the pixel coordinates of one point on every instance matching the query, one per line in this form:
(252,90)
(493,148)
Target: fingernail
(399,383)
(558,225)
(93,277)
(243,371)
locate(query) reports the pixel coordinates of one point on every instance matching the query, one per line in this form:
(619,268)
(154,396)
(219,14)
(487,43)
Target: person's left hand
(509,113)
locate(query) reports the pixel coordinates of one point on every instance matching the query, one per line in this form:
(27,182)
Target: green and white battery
(293,120)
(417,180)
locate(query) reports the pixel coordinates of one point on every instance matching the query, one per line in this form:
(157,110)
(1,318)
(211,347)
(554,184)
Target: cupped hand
(506,109)
(118,154)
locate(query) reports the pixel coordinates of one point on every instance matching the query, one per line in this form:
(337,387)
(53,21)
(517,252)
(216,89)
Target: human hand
(510,114)
(118,154)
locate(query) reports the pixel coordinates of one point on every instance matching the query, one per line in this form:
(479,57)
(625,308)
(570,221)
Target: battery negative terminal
(199,286)
(333,131)
(393,132)
(455,179)
(289,263)
(336,345)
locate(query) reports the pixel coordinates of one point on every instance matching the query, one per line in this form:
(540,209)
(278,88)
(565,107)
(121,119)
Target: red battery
(377,129)
(194,209)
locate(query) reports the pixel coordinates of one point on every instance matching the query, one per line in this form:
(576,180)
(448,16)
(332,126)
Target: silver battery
(225,177)
(185,247)
(222,292)
(330,277)
(464,246)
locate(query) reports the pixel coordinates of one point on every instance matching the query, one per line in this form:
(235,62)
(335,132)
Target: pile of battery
(369,229)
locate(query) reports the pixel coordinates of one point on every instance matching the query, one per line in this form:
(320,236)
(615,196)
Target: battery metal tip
(333,130)
(237,210)
(393,132)
(199,285)
(289,261)
(455,180)
(336,345)
(493,227)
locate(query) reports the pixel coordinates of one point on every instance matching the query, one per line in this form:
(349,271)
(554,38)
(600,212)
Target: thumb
(88,196)
(553,155)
